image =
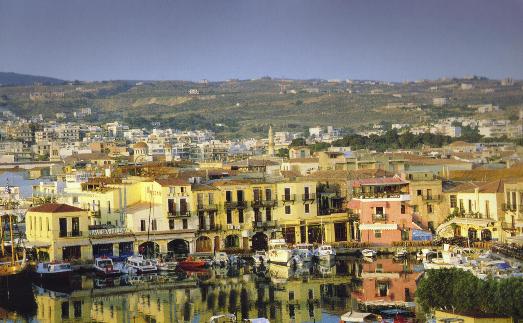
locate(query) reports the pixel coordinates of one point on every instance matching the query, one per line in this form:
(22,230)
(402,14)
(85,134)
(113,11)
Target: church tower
(270,151)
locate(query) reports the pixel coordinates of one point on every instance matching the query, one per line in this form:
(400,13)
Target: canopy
(421,235)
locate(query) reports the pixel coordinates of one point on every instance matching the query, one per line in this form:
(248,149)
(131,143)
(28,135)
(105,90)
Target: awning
(473,221)
(379,226)
(421,235)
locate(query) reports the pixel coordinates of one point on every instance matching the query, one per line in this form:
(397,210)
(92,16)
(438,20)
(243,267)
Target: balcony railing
(179,214)
(235,204)
(434,198)
(264,225)
(509,207)
(264,203)
(308,197)
(379,217)
(288,197)
(207,207)
(211,228)
(379,195)
(70,234)
(329,211)
(96,214)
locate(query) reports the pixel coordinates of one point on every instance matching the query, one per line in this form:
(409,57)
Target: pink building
(383,209)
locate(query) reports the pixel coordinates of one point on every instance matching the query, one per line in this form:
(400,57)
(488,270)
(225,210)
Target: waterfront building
(426,195)
(513,207)
(382,205)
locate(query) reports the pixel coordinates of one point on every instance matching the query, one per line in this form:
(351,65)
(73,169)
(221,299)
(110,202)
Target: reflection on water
(315,293)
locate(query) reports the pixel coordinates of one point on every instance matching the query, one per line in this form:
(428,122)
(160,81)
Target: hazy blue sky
(221,39)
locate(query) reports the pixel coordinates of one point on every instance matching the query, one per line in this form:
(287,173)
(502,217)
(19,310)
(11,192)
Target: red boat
(191,264)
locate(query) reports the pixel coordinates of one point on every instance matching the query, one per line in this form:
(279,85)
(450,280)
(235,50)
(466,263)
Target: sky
(393,40)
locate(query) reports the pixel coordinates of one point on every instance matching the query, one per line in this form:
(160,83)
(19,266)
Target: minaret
(270,151)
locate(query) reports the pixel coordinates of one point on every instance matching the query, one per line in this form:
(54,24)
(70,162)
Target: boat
(167,265)
(104,266)
(325,253)
(260,257)
(136,264)
(53,271)
(221,258)
(304,251)
(426,254)
(369,253)
(401,254)
(279,253)
(192,264)
(358,317)
(229,318)
(448,259)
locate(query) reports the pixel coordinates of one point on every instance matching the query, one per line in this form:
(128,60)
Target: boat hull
(57,277)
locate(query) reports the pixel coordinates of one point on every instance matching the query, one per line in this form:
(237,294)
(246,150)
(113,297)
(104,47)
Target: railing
(70,234)
(329,211)
(379,217)
(207,207)
(381,195)
(308,197)
(509,207)
(211,228)
(264,203)
(179,214)
(235,204)
(436,197)
(288,197)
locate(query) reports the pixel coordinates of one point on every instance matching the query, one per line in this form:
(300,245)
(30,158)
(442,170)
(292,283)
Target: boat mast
(12,239)
(2,235)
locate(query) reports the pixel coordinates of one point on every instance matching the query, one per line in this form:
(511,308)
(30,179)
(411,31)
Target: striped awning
(379,226)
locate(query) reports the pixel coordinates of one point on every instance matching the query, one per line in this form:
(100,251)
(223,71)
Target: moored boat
(279,253)
(104,266)
(358,317)
(325,253)
(304,251)
(192,264)
(136,264)
(53,271)
(369,253)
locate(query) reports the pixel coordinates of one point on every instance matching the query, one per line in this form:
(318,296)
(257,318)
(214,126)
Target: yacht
(279,252)
(104,266)
(325,253)
(304,251)
(136,264)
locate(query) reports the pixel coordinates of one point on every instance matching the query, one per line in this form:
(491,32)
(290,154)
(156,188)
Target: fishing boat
(369,253)
(14,268)
(104,266)
(325,253)
(279,252)
(192,264)
(58,271)
(136,264)
(304,251)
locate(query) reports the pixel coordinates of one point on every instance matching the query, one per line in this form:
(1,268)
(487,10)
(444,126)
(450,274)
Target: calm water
(310,294)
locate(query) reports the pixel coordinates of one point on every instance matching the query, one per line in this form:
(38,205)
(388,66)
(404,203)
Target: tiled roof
(379,181)
(496,186)
(55,208)
(171,181)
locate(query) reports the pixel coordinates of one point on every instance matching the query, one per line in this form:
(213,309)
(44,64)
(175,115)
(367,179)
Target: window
(377,234)
(65,310)
(228,196)
(229,216)
(211,198)
(340,232)
(287,195)
(182,189)
(291,295)
(142,225)
(403,208)
(453,201)
(268,215)
(77,305)
(185,224)
(487,208)
(419,192)
(429,208)
(108,206)
(153,225)
(470,205)
(287,209)
(307,208)
(415,208)
(240,215)
(76,227)
(171,224)
(461,207)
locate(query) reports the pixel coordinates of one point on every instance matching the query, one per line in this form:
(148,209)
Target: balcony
(235,204)
(379,217)
(207,207)
(288,197)
(264,225)
(329,211)
(264,203)
(96,214)
(70,234)
(308,197)
(509,207)
(211,228)
(179,214)
(432,198)
(398,196)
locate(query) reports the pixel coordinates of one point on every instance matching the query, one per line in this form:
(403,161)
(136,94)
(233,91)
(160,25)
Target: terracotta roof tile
(55,208)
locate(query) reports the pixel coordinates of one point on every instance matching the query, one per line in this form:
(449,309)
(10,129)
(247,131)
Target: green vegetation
(460,291)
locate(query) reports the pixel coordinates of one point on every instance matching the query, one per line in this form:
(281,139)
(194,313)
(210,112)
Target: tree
(298,142)
(282,152)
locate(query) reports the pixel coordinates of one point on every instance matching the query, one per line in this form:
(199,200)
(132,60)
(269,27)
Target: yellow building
(475,211)
(58,231)
(513,206)
(427,200)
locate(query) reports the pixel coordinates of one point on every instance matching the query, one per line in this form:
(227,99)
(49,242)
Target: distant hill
(9,78)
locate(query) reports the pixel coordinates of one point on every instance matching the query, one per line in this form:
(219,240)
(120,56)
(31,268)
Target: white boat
(426,254)
(401,254)
(325,253)
(55,271)
(136,264)
(358,317)
(104,266)
(448,259)
(369,253)
(260,257)
(279,252)
(304,251)
(166,265)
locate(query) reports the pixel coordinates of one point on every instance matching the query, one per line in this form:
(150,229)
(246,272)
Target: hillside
(247,107)
(11,79)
